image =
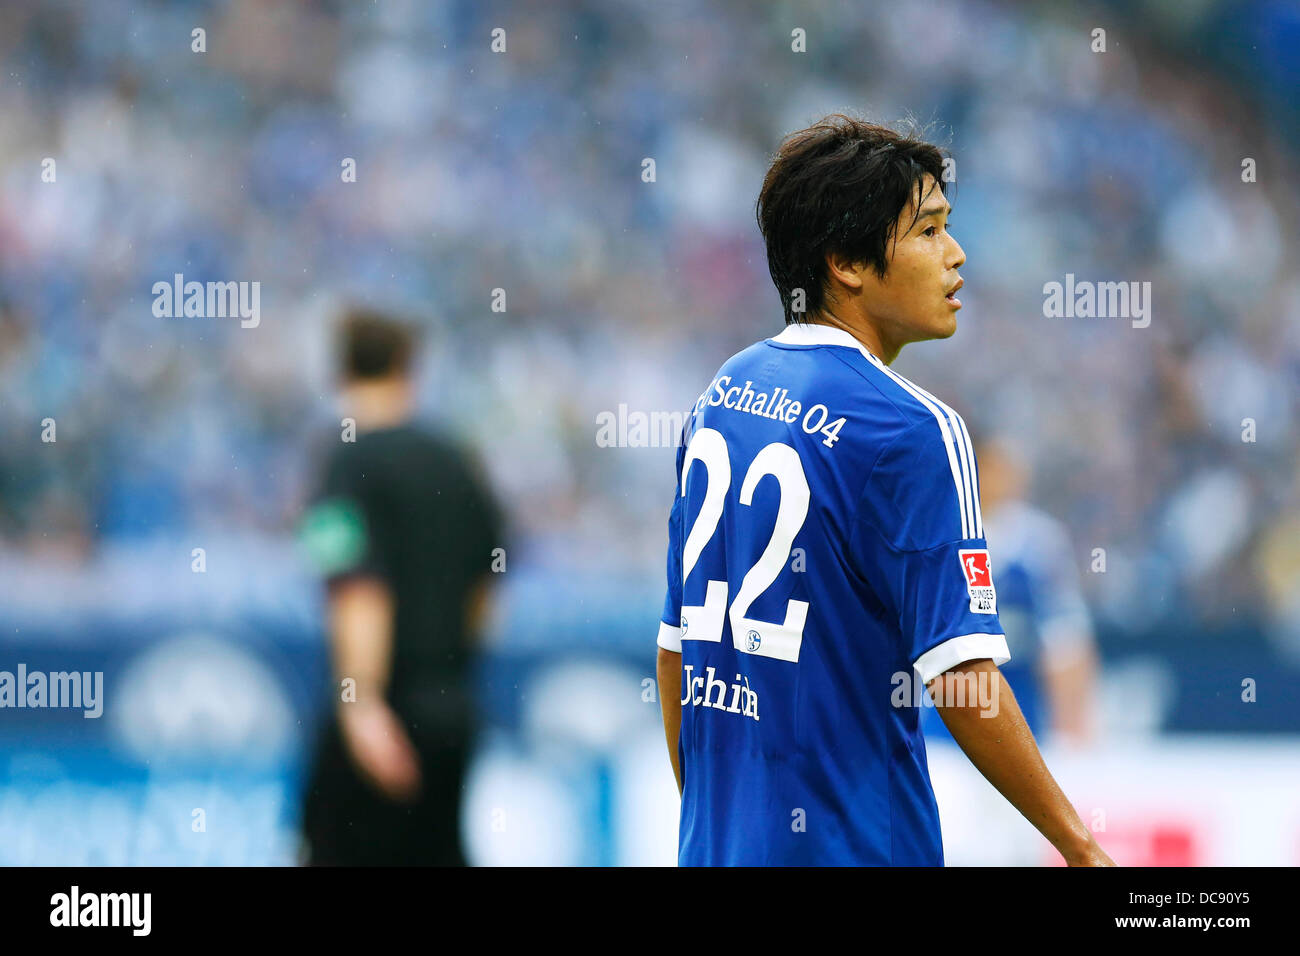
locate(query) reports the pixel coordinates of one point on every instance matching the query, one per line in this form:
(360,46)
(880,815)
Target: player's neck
(862,331)
(378,404)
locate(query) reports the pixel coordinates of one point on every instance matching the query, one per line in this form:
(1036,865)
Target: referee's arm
(999,743)
(362,612)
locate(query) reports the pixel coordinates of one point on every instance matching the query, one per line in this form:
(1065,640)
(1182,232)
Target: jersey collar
(811,333)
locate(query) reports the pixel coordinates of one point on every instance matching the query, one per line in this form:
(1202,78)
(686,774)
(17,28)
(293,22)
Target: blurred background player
(1049,632)
(403,530)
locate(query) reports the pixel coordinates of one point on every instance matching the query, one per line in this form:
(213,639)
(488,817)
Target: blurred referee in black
(403,529)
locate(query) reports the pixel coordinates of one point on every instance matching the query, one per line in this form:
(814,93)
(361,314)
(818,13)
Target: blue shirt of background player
(1039,603)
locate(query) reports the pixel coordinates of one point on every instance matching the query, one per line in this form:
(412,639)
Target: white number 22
(703,622)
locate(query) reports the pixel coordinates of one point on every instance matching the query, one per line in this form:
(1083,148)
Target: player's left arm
(999,743)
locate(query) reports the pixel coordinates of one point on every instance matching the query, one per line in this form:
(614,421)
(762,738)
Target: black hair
(373,345)
(837,186)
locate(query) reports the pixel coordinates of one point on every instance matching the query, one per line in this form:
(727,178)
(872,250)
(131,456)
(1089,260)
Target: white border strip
(670,638)
(959,650)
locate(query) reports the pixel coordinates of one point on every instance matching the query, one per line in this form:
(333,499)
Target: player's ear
(841,268)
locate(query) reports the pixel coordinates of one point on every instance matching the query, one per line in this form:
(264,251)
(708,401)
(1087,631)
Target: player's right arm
(669,668)
(998,742)
(668,662)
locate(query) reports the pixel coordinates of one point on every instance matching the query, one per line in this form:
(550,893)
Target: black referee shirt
(406,505)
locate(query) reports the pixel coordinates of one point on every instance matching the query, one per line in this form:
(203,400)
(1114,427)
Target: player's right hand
(381,749)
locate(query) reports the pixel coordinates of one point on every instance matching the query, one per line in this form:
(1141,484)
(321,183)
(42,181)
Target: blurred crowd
(504,201)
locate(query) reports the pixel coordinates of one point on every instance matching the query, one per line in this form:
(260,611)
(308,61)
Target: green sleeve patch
(333,532)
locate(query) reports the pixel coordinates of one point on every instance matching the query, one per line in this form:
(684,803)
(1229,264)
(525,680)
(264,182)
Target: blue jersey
(826,559)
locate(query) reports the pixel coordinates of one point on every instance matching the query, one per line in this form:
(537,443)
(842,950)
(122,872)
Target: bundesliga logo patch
(979,581)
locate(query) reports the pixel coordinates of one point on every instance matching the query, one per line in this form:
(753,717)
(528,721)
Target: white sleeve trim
(670,638)
(958,650)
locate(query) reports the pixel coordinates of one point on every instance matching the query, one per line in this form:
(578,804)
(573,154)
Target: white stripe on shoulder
(967,460)
(972,520)
(974,478)
(951,441)
(968,465)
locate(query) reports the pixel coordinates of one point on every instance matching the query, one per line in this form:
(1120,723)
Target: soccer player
(403,530)
(826,555)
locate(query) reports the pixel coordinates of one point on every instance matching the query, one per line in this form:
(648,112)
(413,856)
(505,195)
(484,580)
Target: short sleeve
(339,527)
(670,622)
(918,542)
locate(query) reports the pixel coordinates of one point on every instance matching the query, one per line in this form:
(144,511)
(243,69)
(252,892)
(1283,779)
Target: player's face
(916,299)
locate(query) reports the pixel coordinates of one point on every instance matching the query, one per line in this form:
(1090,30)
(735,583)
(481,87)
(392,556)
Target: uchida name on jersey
(825,532)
